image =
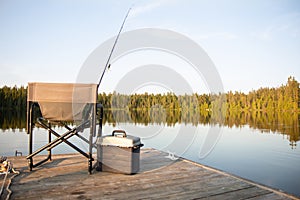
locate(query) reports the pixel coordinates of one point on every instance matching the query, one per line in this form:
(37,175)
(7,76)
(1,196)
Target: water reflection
(12,120)
(286,123)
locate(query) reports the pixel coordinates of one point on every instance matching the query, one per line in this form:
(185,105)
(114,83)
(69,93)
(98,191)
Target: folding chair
(60,103)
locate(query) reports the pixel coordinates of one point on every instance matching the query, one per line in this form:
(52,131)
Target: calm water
(266,157)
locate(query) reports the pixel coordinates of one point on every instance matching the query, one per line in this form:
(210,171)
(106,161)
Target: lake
(269,156)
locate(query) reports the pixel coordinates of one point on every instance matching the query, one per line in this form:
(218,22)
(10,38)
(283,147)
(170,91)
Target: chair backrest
(62,101)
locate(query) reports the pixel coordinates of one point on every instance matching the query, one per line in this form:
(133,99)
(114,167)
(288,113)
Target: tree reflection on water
(286,123)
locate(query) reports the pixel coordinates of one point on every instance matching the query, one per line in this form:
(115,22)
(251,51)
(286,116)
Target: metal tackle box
(119,153)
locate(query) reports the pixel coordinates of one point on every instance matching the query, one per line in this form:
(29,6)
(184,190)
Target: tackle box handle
(119,131)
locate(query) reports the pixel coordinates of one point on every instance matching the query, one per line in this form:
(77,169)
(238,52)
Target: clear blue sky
(253,43)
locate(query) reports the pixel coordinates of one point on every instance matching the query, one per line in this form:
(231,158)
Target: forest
(282,99)
(268,109)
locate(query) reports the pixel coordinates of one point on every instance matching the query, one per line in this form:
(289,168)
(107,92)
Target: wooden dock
(66,177)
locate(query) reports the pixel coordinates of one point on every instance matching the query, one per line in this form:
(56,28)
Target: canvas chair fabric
(62,101)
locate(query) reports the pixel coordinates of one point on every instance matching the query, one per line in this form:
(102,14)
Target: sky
(252,44)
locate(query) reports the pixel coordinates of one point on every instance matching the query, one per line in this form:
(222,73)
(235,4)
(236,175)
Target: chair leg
(49,140)
(30,161)
(30,164)
(92,134)
(90,164)
(30,106)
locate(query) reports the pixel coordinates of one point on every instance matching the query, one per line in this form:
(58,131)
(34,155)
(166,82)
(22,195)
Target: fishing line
(107,65)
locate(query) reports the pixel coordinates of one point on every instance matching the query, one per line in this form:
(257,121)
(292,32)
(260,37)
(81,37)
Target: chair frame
(96,110)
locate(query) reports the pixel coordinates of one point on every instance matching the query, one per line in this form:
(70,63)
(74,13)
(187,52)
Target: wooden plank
(243,193)
(271,196)
(160,186)
(175,188)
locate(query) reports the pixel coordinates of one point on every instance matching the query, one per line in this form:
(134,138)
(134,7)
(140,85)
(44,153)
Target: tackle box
(119,153)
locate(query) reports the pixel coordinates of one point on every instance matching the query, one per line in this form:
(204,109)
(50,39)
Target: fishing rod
(107,65)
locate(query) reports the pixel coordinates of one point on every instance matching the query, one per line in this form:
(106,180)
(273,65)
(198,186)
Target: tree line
(281,99)
(13,99)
